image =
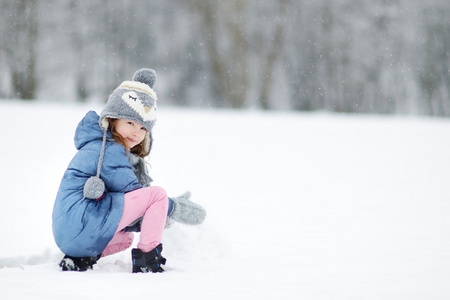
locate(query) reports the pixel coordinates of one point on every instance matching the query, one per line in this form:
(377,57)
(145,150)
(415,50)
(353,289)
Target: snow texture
(300,206)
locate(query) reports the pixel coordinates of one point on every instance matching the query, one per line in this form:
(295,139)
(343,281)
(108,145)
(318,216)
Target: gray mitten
(185,211)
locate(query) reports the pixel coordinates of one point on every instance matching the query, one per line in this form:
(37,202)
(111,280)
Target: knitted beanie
(133,100)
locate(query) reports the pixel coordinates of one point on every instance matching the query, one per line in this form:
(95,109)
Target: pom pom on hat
(145,75)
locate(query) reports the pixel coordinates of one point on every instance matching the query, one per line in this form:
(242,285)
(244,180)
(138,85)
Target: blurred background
(363,56)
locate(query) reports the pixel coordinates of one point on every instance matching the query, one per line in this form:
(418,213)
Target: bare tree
(20,27)
(435,70)
(272,54)
(228,61)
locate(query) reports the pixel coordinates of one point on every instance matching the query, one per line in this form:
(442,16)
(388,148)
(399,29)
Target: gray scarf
(140,169)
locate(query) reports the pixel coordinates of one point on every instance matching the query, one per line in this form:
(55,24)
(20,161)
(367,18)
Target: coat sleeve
(117,171)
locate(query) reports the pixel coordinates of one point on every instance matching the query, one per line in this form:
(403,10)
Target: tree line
(383,56)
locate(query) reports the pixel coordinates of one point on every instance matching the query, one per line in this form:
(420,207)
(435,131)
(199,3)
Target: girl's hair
(138,149)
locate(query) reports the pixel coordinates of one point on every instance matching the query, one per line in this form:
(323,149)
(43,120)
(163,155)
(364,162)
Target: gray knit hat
(133,100)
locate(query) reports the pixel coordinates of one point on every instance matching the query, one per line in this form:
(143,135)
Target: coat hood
(89,130)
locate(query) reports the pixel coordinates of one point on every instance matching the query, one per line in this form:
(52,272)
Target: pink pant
(150,203)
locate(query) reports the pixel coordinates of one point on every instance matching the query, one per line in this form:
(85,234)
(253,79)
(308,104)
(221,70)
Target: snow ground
(300,206)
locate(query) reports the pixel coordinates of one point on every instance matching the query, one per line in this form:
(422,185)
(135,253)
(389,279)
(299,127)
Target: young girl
(105,194)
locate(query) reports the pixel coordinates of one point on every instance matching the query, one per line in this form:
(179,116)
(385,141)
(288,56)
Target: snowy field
(300,206)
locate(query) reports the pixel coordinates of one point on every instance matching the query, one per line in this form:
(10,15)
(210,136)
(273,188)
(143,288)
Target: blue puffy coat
(83,227)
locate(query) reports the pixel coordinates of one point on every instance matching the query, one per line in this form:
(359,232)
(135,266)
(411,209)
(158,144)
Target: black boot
(70,263)
(148,261)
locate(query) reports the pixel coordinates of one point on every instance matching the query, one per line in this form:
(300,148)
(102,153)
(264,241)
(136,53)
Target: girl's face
(132,132)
